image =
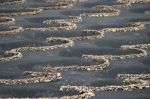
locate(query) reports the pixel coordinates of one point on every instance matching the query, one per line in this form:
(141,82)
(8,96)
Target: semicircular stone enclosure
(75,49)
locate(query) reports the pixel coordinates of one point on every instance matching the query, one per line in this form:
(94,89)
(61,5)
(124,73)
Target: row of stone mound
(11,2)
(16,53)
(49,73)
(54,4)
(131,82)
(67,24)
(64,24)
(6,21)
(59,4)
(52,73)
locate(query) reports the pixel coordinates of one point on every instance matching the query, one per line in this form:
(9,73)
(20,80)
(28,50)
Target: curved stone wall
(16,52)
(23,12)
(7,21)
(50,73)
(11,2)
(12,30)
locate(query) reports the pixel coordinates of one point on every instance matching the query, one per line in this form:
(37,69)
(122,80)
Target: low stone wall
(32,77)
(7,21)
(16,53)
(135,82)
(14,2)
(24,12)
(104,63)
(104,11)
(65,24)
(93,34)
(132,1)
(58,7)
(12,30)
(61,4)
(49,73)
(103,59)
(147,12)
(128,3)
(71,22)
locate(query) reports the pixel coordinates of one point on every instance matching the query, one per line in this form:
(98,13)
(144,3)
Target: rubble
(7,21)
